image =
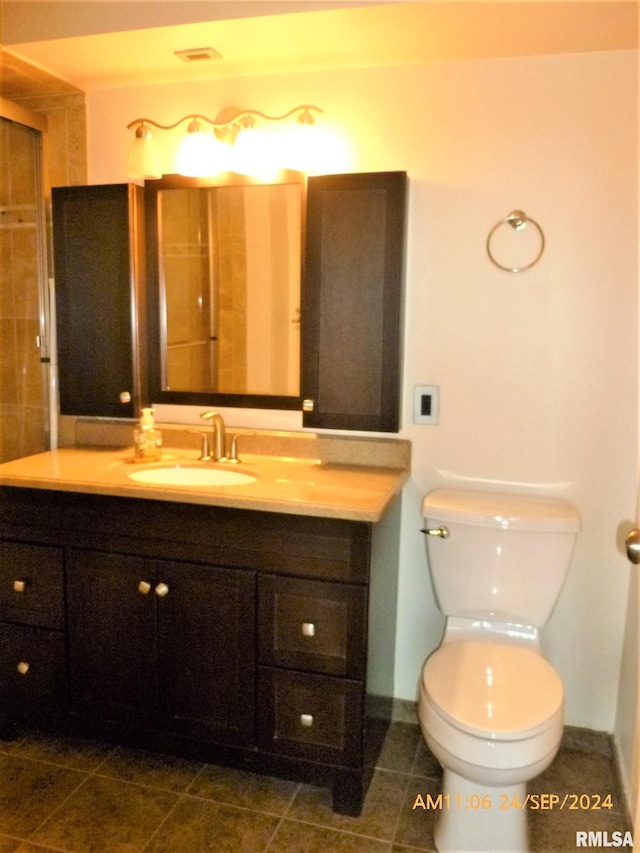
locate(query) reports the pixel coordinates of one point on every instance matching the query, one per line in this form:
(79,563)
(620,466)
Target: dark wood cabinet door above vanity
(352,301)
(99,275)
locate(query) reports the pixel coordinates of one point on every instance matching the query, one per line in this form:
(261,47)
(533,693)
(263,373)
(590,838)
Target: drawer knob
(144,587)
(19,586)
(306,720)
(308,629)
(23,667)
(162,589)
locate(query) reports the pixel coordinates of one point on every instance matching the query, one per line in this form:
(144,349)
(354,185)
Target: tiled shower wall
(22,407)
(22,397)
(65,108)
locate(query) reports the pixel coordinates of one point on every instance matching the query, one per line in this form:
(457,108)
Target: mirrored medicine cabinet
(232,293)
(224,271)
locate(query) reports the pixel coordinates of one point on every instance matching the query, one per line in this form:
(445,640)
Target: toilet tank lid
(500,510)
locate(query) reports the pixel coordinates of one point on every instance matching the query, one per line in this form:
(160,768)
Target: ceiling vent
(198,54)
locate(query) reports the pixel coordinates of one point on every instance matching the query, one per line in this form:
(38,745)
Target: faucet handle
(233,450)
(205,455)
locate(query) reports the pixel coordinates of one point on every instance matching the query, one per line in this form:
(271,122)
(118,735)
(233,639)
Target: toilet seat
(493,690)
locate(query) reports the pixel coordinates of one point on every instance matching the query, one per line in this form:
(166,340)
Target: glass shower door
(24,367)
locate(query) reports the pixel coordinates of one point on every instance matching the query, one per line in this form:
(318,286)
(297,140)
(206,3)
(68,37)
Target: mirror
(224,270)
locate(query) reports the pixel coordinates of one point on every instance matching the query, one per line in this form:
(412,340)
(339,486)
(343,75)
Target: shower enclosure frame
(46,343)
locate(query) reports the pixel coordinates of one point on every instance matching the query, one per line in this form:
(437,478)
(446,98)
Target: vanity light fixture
(234,145)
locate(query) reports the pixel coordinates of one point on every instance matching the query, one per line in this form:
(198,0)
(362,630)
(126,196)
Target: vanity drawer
(313,625)
(32,666)
(314,717)
(31,584)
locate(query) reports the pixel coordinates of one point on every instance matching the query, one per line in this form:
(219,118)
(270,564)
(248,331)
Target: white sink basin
(185,475)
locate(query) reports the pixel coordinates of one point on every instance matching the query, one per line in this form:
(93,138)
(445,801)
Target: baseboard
(398,710)
(404,711)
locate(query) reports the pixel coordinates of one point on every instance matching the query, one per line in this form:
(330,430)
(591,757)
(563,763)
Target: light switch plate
(426,404)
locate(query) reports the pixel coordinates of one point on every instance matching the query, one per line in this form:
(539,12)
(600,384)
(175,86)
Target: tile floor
(79,796)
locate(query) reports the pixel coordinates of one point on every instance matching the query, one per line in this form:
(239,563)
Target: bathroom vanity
(246,626)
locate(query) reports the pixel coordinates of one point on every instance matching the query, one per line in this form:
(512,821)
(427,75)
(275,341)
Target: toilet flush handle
(442,531)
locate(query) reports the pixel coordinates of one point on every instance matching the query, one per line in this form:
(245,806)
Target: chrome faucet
(219,444)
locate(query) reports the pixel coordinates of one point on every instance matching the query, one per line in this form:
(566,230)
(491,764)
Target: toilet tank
(502,557)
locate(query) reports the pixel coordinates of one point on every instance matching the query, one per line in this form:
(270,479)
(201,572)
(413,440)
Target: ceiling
(326,35)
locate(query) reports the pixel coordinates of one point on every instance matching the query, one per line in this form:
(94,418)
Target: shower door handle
(633,546)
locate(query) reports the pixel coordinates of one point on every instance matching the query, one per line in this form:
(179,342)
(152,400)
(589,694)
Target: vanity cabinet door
(163,644)
(99,276)
(112,636)
(351,301)
(206,653)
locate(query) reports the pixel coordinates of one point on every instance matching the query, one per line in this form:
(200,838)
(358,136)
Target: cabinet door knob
(308,629)
(308,405)
(19,586)
(144,587)
(306,720)
(162,589)
(23,667)
(125,396)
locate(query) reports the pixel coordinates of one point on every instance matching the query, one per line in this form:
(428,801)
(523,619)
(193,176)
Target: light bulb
(303,144)
(197,155)
(144,161)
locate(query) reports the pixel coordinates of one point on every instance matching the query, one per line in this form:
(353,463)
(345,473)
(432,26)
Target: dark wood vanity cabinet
(237,636)
(98,248)
(352,301)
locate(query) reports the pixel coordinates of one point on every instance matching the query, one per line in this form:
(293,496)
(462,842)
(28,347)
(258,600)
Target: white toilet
(491,706)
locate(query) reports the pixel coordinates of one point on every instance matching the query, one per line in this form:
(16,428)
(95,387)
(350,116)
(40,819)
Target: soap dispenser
(147,439)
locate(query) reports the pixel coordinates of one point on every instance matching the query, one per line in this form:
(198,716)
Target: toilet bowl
(507,717)
(490,706)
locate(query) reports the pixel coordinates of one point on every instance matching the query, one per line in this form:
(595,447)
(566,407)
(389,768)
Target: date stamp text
(505,802)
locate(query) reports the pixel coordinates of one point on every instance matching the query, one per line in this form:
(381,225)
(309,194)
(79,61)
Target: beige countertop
(295,485)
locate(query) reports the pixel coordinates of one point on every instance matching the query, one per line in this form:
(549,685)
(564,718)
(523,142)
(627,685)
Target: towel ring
(517,219)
